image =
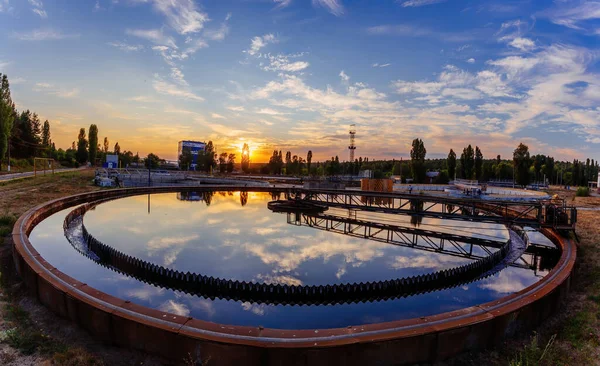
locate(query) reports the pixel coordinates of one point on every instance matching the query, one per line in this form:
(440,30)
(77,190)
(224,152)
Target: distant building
(112,161)
(194,147)
(365,173)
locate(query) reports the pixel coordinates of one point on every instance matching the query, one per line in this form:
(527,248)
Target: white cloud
(282,3)
(125,46)
(143,99)
(155,36)
(47,34)
(345,78)
(182,15)
(380,65)
(178,76)
(416,3)
(269,111)
(511,30)
(167,88)
(335,7)
(523,44)
(257,43)
(514,65)
(236,108)
(282,63)
(461,93)
(41,12)
(217,116)
(471,60)
(220,33)
(575,17)
(38,8)
(217,34)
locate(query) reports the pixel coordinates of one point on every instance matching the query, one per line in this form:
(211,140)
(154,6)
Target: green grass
(29,341)
(532,354)
(6,225)
(579,329)
(582,192)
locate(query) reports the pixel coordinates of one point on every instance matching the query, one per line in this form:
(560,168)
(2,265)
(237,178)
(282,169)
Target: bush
(582,192)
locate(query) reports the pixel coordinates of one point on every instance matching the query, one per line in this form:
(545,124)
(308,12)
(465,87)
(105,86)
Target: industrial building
(194,147)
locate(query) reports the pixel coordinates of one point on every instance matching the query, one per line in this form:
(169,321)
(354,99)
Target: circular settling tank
(223,266)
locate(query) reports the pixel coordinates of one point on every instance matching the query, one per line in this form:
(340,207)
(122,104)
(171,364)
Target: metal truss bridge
(536,214)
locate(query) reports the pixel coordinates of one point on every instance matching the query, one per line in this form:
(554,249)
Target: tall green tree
(6,116)
(105,146)
(185,159)
(223,162)
(82,147)
(417,161)
(467,162)
(521,163)
(451,163)
(230,162)
(549,168)
(152,161)
(478,163)
(118,149)
(245,158)
(288,162)
(207,159)
(46,141)
(308,160)
(93,143)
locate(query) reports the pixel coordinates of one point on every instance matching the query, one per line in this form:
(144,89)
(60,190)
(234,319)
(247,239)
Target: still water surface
(233,235)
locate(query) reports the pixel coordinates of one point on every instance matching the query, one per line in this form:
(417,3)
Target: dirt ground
(31,335)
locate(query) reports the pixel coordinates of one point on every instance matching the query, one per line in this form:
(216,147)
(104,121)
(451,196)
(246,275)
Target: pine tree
(451,163)
(521,163)
(467,162)
(6,116)
(82,147)
(478,163)
(417,161)
(93,143)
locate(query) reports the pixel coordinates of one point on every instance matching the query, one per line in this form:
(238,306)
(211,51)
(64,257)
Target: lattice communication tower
(352,145)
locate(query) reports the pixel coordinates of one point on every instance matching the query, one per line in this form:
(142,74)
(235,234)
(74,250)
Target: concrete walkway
(14,176)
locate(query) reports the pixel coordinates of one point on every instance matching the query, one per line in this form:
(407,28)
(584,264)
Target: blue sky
(294,74)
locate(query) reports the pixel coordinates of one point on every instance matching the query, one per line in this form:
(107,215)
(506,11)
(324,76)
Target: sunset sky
(294,74)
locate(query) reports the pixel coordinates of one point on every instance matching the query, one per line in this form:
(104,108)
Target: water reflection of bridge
(535,257)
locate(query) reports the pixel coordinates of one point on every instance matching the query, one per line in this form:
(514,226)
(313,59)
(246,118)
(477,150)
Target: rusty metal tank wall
(425,339)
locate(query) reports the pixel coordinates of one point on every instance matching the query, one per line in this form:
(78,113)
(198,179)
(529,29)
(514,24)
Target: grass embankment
(29,333)
(572,336)
(24,340)
(25,165)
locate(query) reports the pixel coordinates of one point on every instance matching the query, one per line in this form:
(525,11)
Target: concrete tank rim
(266,337)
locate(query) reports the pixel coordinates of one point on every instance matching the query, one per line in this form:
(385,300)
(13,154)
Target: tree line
(25,136)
